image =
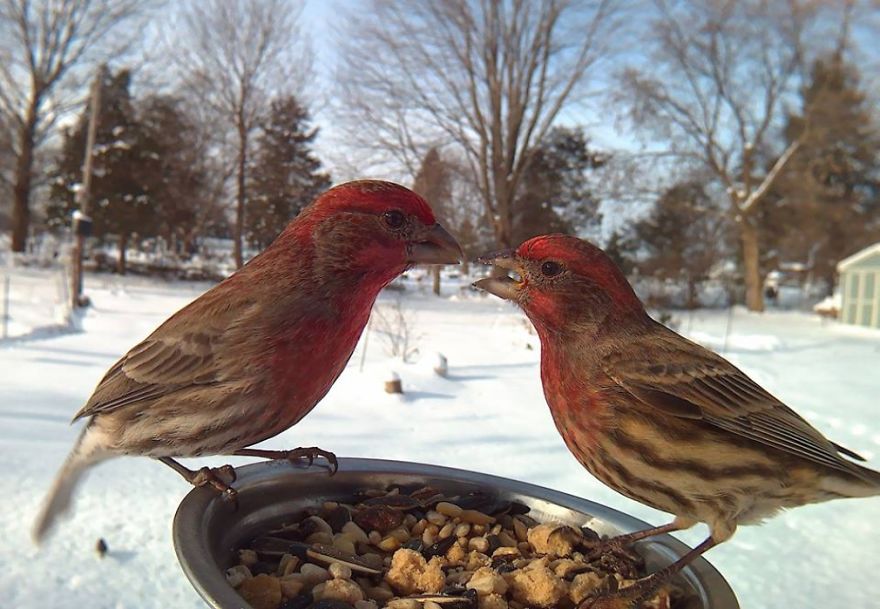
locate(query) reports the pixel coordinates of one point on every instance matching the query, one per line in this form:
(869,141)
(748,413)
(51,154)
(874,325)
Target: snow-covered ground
(488,415)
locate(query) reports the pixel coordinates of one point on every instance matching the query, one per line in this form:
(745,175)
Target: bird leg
(311,453)
(639,590)
(618,544)
(217,477)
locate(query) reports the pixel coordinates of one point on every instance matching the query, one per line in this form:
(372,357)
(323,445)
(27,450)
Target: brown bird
(657,417)
(253,355)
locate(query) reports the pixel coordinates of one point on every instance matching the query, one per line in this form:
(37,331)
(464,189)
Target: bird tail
(86,452)
(864,483)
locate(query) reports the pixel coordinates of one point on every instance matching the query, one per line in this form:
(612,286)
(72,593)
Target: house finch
(657,417)
(253,355)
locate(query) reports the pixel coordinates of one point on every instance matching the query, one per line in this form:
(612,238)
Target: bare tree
(396,325)
(41,44)
(489,75)
(235,54)
(716,92)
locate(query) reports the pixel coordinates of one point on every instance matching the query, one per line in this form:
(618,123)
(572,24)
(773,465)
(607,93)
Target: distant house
(860,287)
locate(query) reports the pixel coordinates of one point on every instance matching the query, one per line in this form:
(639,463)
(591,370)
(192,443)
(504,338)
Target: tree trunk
(830,282)
(504,206)
(238,232)
(435,271)
(693,301)
(751,265)
(21,211)
(123,245)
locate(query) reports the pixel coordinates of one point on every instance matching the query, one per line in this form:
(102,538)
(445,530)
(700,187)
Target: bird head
(371,229)
(561,282)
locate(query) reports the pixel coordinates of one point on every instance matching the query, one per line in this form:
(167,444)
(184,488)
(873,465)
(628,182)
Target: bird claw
(230,496)
(218,478)
(610,546)
(226,473)
(609,596)
(311,453)
(611,601)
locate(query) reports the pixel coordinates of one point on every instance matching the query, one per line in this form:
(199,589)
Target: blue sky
(325,20)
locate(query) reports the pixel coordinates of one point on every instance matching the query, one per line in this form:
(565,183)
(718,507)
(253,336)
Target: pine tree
(683,237)
(286,175)
(622,249)
(555,196)
(827,203)
(120,203)
(174,172)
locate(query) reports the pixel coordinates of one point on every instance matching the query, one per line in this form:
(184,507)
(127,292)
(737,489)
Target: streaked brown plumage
(657,417)
(254,354)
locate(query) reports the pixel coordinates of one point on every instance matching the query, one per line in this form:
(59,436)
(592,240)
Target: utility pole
(82,222)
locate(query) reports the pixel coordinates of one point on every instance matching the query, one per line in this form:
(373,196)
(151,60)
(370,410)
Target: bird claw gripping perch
(614,546)
(609,596)
(608,602)
(311,453)
(218,478)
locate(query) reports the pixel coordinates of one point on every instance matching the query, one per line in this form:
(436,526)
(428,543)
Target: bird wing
(689,381)
(181,353)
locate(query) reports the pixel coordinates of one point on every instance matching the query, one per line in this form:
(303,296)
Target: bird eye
(551,269)
(394,218)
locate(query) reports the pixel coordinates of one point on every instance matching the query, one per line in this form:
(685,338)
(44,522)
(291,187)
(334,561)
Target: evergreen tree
(622,250)
(555,195)
(827,203)
(285,176)
(174,172)
(120,203)
(683,237)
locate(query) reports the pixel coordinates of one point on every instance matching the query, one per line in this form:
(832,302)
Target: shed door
(865,290)
(871,302)
(853,286)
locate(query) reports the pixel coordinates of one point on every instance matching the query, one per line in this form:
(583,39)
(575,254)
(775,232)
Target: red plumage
(657,417)
(253,355)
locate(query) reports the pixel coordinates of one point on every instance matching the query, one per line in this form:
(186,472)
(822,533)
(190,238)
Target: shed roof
(868,252)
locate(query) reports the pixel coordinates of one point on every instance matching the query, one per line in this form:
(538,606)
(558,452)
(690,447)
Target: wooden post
(5,306)
(393,384)
(84,194)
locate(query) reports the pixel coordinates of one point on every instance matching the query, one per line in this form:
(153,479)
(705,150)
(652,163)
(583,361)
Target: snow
(488,415)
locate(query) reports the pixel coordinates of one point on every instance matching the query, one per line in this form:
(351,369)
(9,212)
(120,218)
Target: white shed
(860,287)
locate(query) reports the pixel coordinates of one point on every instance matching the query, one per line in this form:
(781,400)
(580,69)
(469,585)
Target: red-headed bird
(253,355)
(657,417)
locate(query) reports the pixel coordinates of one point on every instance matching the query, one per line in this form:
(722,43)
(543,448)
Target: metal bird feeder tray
(207,531)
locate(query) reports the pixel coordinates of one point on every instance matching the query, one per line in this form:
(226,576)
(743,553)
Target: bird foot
(612,601)
(219,478)
(311,453)
(614,546)
(609,596)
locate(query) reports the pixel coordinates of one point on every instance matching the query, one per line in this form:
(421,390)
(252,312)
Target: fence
(33,301)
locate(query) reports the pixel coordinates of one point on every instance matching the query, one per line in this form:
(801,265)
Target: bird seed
(424,550)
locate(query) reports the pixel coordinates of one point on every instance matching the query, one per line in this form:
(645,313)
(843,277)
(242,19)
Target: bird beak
(435,246)
(503,287)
